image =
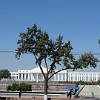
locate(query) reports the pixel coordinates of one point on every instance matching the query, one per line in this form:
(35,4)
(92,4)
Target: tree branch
(69,67)
(42,71)
(40,66)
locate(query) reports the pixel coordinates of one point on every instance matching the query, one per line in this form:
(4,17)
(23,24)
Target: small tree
(17,87)
(51,53)
(4,73)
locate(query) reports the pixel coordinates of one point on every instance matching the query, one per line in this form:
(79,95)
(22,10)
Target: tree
(98,82)
(51,53)
(4,73)
(17,87)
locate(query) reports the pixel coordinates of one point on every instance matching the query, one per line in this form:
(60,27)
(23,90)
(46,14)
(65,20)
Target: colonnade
(68,76)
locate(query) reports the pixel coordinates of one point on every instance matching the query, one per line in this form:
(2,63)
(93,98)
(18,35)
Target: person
(70,93)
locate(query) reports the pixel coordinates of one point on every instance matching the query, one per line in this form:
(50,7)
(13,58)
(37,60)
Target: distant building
(36,75)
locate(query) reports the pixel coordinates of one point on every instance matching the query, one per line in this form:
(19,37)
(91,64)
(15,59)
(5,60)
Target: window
(29,76)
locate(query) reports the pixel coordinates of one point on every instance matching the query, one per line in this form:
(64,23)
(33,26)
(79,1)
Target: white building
(36,75)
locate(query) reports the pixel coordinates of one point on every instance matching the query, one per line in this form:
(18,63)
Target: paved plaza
(90,91)
(87,92)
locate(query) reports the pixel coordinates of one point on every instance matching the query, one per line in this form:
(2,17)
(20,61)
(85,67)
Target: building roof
(37,70)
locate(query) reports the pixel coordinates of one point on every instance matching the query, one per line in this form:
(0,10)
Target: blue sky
(77,20)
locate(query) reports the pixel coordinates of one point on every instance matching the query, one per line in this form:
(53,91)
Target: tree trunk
(46,89)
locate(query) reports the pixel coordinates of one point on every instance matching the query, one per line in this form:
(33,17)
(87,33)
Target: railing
(78,92)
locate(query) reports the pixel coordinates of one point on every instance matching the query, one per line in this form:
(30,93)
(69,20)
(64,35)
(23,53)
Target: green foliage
(25,87)
(38,43)
(42,47)
(9,87)
(98,82)
(17,87)
(4,73)
(81,82)
(57,53)
(85,83)
(86,60)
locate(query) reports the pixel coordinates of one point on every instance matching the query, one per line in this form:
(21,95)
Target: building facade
(36,75)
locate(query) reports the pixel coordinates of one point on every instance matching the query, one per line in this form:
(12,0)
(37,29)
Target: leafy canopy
(17,87)
(44,49)
(4,73)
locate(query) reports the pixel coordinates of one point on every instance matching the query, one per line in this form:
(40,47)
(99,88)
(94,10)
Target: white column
(65,77)
(61,77)
(29,76)
(25,76)
(21,76)
(96,77)
(92,76)
(88,77)
(58,76)
(37,77)
(69,77)
(84,77)
(73,77)
(77,77)
(81,77)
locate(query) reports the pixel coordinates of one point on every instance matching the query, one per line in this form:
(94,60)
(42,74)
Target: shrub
(19,87)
